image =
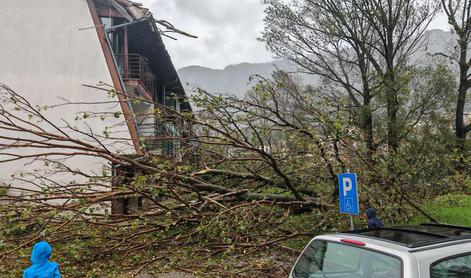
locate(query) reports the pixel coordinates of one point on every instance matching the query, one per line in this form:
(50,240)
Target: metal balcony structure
(134,67)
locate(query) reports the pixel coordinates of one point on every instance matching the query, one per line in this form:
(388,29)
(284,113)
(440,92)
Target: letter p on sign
(347,186)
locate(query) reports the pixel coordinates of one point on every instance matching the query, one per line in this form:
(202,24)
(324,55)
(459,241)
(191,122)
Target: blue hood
(41,253)
(42,267)
(373,221)
(371,213)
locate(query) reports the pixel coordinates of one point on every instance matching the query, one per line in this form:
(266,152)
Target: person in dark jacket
(41,266)
(373,221)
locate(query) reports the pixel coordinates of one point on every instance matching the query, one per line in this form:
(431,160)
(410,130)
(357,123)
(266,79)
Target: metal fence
(135,67)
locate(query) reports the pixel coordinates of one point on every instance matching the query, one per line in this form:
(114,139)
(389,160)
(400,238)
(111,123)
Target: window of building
(106,21)
(117,36)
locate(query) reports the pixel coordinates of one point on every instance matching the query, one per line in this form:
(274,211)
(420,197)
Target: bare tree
(363,46)
(308,34)
(459,17)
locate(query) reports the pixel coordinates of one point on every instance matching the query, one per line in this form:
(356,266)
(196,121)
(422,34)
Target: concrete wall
(48,50)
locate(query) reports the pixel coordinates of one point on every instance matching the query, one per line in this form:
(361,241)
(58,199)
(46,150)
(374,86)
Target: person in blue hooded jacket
(41,266)
(373,221)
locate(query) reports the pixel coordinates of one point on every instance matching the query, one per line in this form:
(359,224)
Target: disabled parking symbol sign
(348,193)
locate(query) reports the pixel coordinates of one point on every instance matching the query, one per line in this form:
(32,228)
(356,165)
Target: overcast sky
(227,31)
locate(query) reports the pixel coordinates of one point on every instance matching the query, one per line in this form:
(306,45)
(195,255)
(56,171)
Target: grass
(449,209)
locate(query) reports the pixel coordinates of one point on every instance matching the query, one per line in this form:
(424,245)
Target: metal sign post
(348,195)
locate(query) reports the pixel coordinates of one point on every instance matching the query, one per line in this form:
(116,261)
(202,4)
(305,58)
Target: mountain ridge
(234,78)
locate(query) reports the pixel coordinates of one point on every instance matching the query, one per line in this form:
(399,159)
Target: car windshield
(329,259)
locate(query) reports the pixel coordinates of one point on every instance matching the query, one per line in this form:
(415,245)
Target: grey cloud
(220,12)
(227,31)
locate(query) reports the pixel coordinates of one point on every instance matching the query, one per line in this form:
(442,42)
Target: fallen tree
(250,175)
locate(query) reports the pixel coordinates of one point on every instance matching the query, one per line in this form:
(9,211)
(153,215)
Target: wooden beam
(128,116)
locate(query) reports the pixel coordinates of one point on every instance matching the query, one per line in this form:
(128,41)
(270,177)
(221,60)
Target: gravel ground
(167,275)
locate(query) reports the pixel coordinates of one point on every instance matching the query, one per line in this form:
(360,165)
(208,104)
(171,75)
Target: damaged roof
(136,10)
(128,9)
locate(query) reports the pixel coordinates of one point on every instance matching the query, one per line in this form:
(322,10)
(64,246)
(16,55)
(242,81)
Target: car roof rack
(414,236)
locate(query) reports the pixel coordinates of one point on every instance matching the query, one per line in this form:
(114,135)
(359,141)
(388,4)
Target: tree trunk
(460,127)
(392,107)
(367,127)
(366,114)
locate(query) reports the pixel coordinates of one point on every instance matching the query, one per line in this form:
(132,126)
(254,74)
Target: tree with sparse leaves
(459,17)
(361,46)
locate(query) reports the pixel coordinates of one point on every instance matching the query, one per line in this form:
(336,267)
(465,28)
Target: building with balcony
(56,50)
(144,67)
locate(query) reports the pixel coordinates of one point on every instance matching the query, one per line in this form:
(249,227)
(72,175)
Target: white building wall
(48,50)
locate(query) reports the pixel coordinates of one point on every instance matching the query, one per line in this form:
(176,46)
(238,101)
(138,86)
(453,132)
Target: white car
(422,251)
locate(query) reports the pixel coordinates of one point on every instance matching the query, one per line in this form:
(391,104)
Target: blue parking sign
(348,193)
